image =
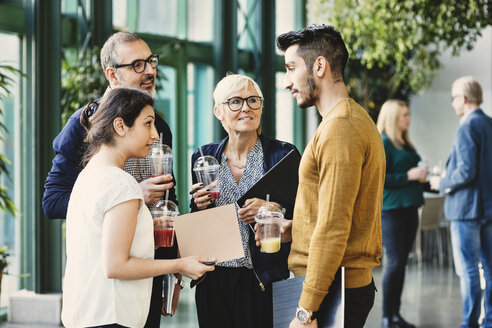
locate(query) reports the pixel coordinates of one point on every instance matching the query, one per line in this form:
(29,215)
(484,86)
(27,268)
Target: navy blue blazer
(268,267)
(468,180)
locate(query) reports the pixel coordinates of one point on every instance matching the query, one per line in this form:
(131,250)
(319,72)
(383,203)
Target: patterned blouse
(231,191)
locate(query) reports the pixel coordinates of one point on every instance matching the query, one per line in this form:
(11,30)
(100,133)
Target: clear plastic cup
(163,215)
(268,220)
(206,170)
(160,160)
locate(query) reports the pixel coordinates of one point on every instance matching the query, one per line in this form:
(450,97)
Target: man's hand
(154,188)
(295,323)
(434,182)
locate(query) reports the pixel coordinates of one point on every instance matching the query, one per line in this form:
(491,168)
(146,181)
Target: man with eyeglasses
(127,62)
(468,205)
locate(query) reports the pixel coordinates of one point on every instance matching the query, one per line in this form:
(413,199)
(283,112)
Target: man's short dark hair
(314,41)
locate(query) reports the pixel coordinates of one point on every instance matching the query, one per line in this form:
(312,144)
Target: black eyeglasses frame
(146,61)
(227,101)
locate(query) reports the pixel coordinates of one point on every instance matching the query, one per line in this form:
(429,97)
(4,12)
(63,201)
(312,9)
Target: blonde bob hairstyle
(230,84)
(387,123)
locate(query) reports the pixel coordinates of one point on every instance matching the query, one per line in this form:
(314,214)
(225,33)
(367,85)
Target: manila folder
(212,233)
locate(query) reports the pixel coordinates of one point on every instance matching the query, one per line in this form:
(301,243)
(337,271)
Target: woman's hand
(193,267)
(201,196)
(248,212)
(417,173)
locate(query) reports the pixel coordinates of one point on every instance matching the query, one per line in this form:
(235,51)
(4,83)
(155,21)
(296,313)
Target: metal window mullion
(299,124)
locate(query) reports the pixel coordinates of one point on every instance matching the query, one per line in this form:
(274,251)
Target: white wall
(434,122)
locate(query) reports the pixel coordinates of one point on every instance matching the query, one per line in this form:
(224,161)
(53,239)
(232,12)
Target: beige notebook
(213,233)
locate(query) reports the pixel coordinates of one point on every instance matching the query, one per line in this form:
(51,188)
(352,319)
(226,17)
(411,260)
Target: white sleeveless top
(89,298)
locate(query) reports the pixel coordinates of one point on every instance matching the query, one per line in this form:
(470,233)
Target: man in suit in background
(468,205)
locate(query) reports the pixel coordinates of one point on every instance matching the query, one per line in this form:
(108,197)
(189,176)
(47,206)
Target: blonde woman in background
(402,196)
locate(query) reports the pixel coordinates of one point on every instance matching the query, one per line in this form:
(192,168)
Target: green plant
(6,81)
(395,46)
(4,263)
(82,81)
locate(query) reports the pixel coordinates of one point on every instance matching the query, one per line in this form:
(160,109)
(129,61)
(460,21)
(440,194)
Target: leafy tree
(83,80)
(395,45)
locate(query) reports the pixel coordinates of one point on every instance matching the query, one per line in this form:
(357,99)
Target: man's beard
(150,91)
(309,99)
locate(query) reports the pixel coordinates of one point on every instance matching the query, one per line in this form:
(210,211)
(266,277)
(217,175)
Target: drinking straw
(161,139)
(267,199)
(166,203)
(201,151)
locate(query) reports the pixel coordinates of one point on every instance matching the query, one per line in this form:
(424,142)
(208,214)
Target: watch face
(302,316)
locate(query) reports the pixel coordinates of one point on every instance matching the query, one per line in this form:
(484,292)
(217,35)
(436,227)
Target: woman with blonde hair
(239,292)
(402,196)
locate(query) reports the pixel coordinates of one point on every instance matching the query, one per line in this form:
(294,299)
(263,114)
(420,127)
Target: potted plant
(4,263)
(6,203)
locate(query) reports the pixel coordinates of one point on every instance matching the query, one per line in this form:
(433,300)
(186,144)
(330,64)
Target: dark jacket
(268,267)
(69,147)
(398,191)
(468,180)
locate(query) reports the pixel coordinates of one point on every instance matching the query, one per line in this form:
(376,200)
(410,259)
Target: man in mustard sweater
(337,215)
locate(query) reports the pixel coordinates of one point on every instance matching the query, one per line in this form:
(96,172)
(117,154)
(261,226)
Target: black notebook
(286,294)
(280,182)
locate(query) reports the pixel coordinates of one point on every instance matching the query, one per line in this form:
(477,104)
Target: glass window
(158,17)
(284,16)
(10,147)
(248,24)
(120,13)
(200,20)
(201,118)
(285,111)
(147,16)
(165,100)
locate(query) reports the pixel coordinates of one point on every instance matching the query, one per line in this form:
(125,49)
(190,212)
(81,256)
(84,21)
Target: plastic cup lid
(206,163)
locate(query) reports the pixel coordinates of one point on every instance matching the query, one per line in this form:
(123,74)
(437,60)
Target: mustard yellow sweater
(337,214)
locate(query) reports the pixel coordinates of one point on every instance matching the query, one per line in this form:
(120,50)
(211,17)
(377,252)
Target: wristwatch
(180,282)
(303,315)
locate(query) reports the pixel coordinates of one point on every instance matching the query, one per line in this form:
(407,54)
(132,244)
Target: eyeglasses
(236,103)
(139,65)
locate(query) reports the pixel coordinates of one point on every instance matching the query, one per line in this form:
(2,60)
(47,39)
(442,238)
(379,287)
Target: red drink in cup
(215,195)
(164,237)
(163,214)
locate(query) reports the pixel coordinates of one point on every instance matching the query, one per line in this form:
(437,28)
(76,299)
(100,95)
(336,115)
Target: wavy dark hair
(317,40)
(98,119)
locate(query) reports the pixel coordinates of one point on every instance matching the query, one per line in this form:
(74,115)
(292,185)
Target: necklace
(238,166)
